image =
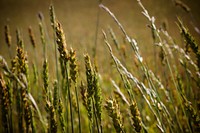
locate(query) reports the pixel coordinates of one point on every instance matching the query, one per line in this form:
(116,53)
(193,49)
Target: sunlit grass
(126,91)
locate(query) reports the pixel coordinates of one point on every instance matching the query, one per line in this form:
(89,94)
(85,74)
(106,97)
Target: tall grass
(77,99)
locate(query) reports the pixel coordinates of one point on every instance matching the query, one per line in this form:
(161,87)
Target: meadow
(111,73)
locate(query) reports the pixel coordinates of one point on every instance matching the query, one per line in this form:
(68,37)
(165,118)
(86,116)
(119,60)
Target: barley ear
(45,80)
(55,94)
(62,46)
(135,116)
(190,42)
(83,94)
(52,123)
(90,88)
(97,96)
(52,16)
(73,65)
(5,104)
(61,116)
(114,112)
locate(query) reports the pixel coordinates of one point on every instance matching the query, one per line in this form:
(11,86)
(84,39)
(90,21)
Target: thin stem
(9,51)
(90,127)
(179,97)
(79,116)
(95,115)
(97,30)
(70,102)
(53,19)
(56,57)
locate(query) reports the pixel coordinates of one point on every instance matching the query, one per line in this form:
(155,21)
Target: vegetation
(140,100)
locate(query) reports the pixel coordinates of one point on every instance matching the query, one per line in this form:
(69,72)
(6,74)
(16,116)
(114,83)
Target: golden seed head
(114,112)
(135,116)
(60,39)
(84,94)
(73,65)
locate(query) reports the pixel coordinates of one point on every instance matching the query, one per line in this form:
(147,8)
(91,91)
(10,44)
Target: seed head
(31,36)
(97,96)
(135,116)
(60,39)
(114,112)
(52,15)
(7,35)
(73,65)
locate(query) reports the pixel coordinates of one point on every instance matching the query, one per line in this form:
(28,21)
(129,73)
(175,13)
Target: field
(99,66)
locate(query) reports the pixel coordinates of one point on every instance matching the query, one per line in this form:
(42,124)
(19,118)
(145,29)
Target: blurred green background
(79,18)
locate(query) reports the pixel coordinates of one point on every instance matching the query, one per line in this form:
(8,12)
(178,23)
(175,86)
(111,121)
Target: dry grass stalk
(182,5)
(142,88)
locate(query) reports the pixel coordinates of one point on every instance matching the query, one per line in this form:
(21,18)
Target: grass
(80,98)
